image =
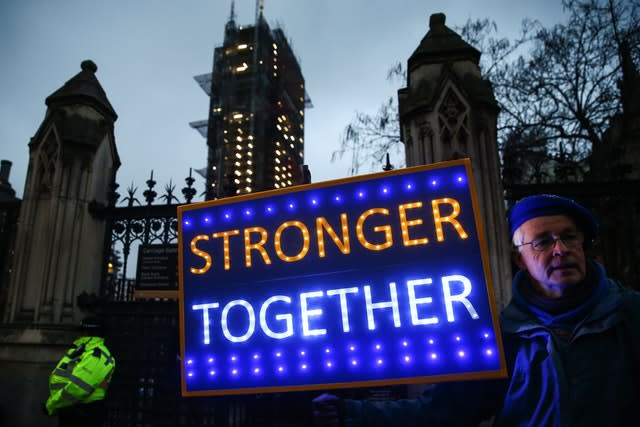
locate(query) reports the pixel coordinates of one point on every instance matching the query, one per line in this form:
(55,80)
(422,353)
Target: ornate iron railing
(136,224)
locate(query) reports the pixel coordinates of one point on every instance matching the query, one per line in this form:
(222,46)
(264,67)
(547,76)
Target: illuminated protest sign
(373,280)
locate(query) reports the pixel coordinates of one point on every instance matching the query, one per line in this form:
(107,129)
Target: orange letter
(404,225)
(305,245)
(438,220)
(343,245)
(257,246)
(225,235)
(386,229)
(202,254)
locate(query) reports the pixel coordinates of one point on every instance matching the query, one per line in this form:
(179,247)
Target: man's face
(555,267)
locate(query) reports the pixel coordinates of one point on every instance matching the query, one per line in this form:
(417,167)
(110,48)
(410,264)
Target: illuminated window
(242,46)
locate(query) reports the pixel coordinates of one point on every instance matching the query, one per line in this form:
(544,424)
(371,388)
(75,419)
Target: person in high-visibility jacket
(81,377)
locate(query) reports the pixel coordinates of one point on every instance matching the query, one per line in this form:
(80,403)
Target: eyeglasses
(548,241)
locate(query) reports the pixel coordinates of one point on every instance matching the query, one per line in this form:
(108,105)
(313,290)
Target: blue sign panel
(380,279)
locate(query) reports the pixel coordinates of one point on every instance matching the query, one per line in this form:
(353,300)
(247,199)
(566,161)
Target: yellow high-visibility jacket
(82,375)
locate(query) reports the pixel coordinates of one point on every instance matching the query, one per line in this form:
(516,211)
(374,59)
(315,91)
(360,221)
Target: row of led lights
(350,349)
(405,343)
(316,201)
(304,366)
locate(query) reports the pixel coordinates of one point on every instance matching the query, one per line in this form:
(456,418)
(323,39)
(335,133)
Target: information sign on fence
(157,267)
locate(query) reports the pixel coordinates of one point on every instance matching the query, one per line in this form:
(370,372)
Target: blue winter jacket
(591,379)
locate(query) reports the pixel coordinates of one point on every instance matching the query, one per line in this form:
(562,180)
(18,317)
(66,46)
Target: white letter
(252,320)
(308,313)
(393,304)
(448,298)
(413,302)
(344,309)
(205,317)
(288,318)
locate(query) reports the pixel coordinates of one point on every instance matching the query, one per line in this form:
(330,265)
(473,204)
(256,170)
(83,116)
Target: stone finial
(437,20)
(89,65)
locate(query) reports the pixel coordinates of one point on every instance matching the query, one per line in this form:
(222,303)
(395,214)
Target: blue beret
(546,205)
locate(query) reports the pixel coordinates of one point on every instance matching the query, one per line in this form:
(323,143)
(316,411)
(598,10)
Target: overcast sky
(147,53)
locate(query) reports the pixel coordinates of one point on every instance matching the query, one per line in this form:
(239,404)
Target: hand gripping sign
(373,280)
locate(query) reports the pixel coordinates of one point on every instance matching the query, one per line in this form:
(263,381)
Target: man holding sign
(571,339)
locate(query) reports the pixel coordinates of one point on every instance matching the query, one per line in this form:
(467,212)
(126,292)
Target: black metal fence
(136,224)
